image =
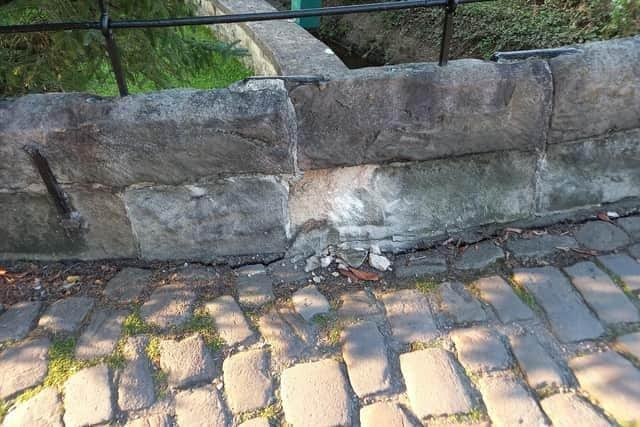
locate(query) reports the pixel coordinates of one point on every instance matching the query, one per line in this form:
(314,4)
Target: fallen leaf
(72,279)
(365,275)
(602,216)
(2,272)
(348,274)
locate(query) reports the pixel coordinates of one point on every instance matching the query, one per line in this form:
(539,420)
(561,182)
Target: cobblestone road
(542,330)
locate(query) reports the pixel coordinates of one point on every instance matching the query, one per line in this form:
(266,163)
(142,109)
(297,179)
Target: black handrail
(106,25)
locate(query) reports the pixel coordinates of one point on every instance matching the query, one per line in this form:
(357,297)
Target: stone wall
(395,155)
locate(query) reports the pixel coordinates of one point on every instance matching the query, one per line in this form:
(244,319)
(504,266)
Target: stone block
(625,267)
(410,316)
(480,350)
(630,344)
(18,320)
(135,383)
(539,246)
(358,305)
(236,216)
(403,203)
(479,256)
(186,362)
(169,305)
(247,381)
(596,90)
(230,322)
(601,236)
(459,305)
(309,302)
(384,414)
(590,172)
(565,409)
(23,366)
(44,409)
(497,292)
(255,286)
(66,315)
(509,404)
(537,365)
(200,406)
(631,225)
(88,397)
(101,335)
(128,284)
(422,112)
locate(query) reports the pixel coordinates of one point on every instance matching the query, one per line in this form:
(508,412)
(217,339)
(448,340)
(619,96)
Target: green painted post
(311,22)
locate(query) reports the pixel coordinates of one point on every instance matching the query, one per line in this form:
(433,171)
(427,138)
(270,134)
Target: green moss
(525,296)
(475,416)
(330,326)
(4,408)
(201,323)
(62,363)
(153,350)
(134,324)
(271,412)
(426,286)
(161,383)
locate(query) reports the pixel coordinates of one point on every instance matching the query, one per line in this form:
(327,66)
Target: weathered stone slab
(420,264)
(509,404)
(303,329)
(360,203)
(236,216)
(497,292)
(434,369)
(287,271)
(255,286)
(200,406)
(23,366)
(625,267)
(590,172)
(44,409)
(459,305)
(135,382)
(605,297)
(384,414)
(285,344)
(596,90)
(247,381)
(315,395)
(88,397)
(631,225)
(365,355)
(230,322)
(18,320)
(570,319)
(34,228)
(187,134)
(101,335)
(337,131)
(128,284)
(565,409)
(630,344)
(186,362)
(634,251)
(601,236)
(480,350)
(612,381)
(168,306)
(410,317)
(539,368)
(308,302)
(539,246)
(358,305)
(66,315)
(479,256)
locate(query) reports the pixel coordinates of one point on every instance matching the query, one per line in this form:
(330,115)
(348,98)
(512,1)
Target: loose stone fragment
(18,320)
(630,344)
(199,407)
(186,362)
(613,382)
(605,297)
(601,236)
(230,322)
(23,366)
(247,381)
(285,344)
(168,306)
(631,225)
(101,335)
(128,284)
(383,414)
(352,257)
(434,369)
(410,317)
(539,368)
(42,410)
(315,395)
(365,354)
(358,305)
(420,264)
(135,384)
(509,404)
(309,301)
(66,315)
(480,350)
(87,397)
(255,287)
(497,292)
(539,246)
(379,262)
(625,267)
(569,410)
(570,319)
(479,256)
(459,305)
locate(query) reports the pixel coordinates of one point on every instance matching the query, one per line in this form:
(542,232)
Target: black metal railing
(106,26)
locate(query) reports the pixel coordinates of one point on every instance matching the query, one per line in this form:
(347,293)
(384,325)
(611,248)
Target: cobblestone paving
(524,329)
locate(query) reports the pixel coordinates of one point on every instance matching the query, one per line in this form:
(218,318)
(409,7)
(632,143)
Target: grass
(331,326)
(476,415)
(153,350)
(426,286)
(134,324)
(62,363)
(271,413)
(201,323)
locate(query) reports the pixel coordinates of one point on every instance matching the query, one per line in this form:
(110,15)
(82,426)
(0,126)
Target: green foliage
(426,286)
(134,324)
(4,408)
(201,323)
(62,363)
(77,60)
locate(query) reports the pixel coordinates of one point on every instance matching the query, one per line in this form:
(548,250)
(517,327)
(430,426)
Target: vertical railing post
(112,49)
(447,31)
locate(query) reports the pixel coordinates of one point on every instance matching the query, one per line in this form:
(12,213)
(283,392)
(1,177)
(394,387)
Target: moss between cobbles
(522,293)
(330,326)
(201,323)
(427,286)
(134,324)
(272,412)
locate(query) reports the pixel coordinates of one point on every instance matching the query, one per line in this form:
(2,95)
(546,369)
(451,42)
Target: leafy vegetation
(77,61)
(202,324)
